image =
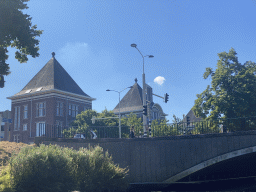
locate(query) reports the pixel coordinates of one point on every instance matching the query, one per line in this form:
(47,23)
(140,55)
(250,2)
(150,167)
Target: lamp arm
(139,52)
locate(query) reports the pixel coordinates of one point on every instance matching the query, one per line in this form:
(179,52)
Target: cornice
(47,92)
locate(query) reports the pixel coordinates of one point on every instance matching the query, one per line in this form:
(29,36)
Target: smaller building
(190,117)
(133,102)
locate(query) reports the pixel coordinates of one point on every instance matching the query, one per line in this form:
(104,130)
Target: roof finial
(136,80)
(53,54)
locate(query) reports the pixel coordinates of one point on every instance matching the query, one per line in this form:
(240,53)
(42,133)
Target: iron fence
(157,130)
(91,132)
(205,127)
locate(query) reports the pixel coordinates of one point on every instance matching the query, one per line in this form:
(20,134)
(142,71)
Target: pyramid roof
(132,101)
(52,77)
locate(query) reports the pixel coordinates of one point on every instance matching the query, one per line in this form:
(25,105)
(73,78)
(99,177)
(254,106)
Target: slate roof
(52,76)
(132,101)
(192,117)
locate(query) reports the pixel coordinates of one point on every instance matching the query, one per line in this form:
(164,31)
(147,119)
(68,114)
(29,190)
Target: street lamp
(119,107)
(144,88)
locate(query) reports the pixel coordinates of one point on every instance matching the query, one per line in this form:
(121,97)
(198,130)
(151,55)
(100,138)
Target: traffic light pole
(144,103)
(165,98)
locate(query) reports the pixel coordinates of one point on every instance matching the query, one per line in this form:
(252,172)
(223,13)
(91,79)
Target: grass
(7,149)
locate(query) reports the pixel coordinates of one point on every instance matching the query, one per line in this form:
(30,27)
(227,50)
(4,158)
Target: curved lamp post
(144,88)
(119,107)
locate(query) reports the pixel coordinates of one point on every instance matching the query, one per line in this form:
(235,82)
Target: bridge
(177,158)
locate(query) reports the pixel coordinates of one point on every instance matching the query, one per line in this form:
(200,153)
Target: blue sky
(92,41)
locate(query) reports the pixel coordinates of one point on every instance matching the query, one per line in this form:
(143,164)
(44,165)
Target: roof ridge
(132,99)
(52,76)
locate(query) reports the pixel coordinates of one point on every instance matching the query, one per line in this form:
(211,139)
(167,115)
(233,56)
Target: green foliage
(52,168)
(160,128)
(44,168)
(176,119)
(232,92)
(84,118)
(95,171)
(133,120)
(108,122)
(69,133)
(83,123)
(5,180)
(16,31)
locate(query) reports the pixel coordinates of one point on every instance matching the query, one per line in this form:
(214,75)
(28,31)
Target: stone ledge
(107,140)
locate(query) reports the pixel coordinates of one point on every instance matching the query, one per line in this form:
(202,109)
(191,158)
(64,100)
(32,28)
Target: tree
(16,30)
(232,93)
(133,120)
(161,128)
(102,127)
(81,124)
(108,122)
(176,119)
(85,118)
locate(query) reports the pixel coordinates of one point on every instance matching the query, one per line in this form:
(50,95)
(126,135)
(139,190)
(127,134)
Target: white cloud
(159,80)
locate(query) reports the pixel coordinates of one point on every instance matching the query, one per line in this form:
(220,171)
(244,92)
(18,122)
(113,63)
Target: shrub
(44,168)
(5,180)
(53,168)
(94,171)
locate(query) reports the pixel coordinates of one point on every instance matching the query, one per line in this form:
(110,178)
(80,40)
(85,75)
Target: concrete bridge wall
(162,158)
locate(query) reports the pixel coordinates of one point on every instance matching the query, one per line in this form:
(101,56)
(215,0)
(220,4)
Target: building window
(2,127)
(76,108)
(73,110)
(69,109)
(59,123)
(59,109)
(40,109)
(59,128)
(25,114)
(17,118)
(25,127)
(40,129)
(16,138)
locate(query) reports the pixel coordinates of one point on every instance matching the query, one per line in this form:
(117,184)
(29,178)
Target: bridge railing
(204,127)
(56,131)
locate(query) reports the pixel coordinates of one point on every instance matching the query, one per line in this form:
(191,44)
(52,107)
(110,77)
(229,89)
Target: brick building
(51,97)
(132,102)
(5,122)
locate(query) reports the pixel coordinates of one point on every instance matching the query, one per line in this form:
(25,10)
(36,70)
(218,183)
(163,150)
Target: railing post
(149,128)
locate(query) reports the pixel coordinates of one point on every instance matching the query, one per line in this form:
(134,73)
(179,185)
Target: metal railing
(205,127)
(157,130)
(56,131)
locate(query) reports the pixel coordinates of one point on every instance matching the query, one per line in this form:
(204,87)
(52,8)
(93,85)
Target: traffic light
(1,81)
(188,121)
(166,97)
(145,110)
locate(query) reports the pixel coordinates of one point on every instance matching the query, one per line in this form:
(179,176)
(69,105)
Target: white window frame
(76,110)
(69,109)
(41,109)
(59,111)
(25,113)
(40,128)
(25,127)
(16,118)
